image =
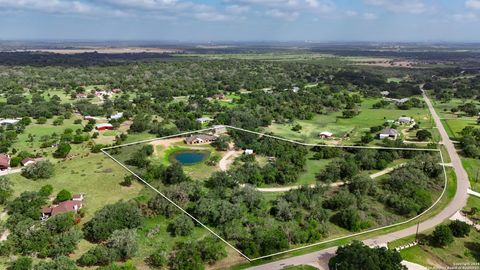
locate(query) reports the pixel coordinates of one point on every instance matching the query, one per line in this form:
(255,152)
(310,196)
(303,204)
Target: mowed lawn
(97,176)
(462,250)
(444,108)
(472,166)
(39,130)
(455,126)
(355,127)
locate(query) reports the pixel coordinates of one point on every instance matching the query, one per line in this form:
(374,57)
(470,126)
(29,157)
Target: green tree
(459,228)
(423,135)
(62,150)
(174,174)
(361,257)
(212,249)
(121,215)
(5,189)
(221,143)
(63,195)
(159,257)
(22,263)
(181,226)
(442,236)
(40,170)
(186,255)
(124,243)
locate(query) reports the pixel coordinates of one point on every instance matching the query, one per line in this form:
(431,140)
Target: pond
(189,157)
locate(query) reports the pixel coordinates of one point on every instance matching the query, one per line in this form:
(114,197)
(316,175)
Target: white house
(7,121)
(406,120)
(203,120)
(116,116)
(248,152)
(388,133)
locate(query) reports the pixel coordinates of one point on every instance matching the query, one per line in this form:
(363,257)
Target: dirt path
(336,184)
(164,143)
(228,159)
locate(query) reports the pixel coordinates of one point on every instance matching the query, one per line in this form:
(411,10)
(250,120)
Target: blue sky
(242,20)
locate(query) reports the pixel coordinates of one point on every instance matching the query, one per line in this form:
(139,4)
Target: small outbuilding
(325,134)
(219,129)
(203,120)
(249,152)
(27,161)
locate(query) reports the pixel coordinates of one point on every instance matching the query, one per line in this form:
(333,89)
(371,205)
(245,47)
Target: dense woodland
(259,227)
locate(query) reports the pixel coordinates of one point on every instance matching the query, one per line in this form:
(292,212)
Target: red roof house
(105,126)
(27,161)
(4,161)
(64,207)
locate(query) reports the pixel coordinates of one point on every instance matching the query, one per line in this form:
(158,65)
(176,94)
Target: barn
(101,127)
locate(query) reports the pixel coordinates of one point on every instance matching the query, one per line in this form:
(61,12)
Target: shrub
(442,236)
(459,228)
(63,195)
(181,226)
(41,170)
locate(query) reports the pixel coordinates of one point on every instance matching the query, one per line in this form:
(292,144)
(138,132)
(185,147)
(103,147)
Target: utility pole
(416,234)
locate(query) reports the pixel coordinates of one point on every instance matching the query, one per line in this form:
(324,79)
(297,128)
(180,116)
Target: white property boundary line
(291,141)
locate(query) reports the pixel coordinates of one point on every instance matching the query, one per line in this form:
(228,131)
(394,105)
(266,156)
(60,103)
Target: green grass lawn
(355,127)
(472,166)
(455,126)
(97,176)
(22,142)
(462,250)
(443,108)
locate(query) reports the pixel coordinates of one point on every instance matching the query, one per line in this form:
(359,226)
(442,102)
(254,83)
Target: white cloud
(52,6)
(237,9)
(369,16)
(315,6)
(473,4)
(351,13)
(465,17)
(288,16)
(400,6)
(210,17)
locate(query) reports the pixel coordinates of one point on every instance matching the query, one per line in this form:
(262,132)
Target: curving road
(320,258)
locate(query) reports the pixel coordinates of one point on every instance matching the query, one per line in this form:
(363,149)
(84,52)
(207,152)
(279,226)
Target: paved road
(320,258)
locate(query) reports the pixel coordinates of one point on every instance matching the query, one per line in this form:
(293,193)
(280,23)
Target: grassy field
(472,166)
(348,131)
(462,250)
(39,130)
(97,176)
(455,126)
(443,108)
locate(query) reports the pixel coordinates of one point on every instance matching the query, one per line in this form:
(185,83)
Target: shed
(325,134)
